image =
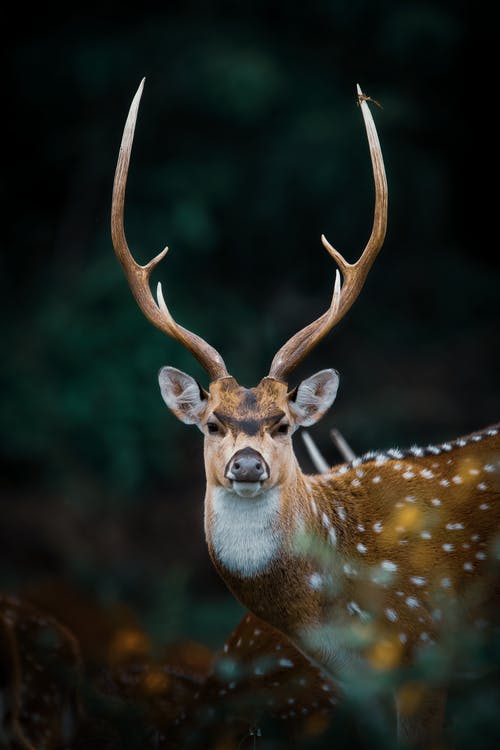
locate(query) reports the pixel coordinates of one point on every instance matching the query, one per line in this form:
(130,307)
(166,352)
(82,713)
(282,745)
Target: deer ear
(183,395)
(313,397)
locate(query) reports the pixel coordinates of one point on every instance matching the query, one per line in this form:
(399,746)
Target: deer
(365,567)
(257,677)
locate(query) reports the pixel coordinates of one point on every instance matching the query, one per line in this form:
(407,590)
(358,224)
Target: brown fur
(433,518)
(366,566)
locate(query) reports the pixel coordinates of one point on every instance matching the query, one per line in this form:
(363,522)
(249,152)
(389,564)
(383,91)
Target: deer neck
(247,536)
(256,545)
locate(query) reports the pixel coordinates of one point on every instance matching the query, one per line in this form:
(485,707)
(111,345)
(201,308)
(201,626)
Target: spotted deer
(368,566)
(257,677)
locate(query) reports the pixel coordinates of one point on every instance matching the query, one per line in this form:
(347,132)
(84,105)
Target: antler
(354,274)
(138,276)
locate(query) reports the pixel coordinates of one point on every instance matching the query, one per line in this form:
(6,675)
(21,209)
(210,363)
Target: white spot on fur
(433,449)
(426,535)
(244,532)
(410,498)
(349,570)
(361,548)
(480,555)
(391,615)
(448,547)
(403,637)
(355,483)
(341,513)
(326,521)
(484,506)
(408,474)
(445,583)
(427,474)
(418,580)
(316,581)
(285,663)
(376,479)
(395,453)
(388,565)
(468,566)
(444,483)
(314,508)
(332,536)
(482,486)
(377,527)
(412,602)
(454,526)
(436,501)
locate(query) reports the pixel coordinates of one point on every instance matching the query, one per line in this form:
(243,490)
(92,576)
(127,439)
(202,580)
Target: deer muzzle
(246,470)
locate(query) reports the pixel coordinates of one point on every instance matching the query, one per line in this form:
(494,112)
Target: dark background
(249,146)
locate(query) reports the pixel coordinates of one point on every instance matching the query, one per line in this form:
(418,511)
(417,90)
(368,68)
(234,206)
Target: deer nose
(247,465)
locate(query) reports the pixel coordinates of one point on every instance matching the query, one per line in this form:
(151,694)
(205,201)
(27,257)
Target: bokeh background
(249,145)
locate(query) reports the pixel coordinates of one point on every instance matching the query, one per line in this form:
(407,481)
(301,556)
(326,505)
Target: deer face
(248,446)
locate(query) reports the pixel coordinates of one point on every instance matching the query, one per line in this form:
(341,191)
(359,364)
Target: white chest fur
(244,532)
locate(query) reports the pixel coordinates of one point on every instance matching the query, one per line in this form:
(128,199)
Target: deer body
(399,555)
(366,566)
(392,542)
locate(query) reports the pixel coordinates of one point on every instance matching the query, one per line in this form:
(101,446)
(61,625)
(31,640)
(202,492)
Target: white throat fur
(244,531)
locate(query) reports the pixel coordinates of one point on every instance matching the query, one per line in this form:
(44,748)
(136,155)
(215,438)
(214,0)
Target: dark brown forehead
(248,410)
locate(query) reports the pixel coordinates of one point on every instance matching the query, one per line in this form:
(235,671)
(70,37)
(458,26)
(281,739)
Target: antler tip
(358,89)
(161,301)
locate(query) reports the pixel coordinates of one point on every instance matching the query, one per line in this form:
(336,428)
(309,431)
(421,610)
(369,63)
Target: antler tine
(354,274)
(137,275)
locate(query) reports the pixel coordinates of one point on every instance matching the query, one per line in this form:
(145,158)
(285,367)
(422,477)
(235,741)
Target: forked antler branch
(138,276)
(354,274)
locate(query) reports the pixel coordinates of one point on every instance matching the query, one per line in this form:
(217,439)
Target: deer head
(248,431)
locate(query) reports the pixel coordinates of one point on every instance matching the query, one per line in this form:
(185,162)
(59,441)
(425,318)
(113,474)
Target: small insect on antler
(354,274)
(138,276)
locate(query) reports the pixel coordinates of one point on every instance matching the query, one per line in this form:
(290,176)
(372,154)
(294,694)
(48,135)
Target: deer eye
(212,427)
(283,429)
